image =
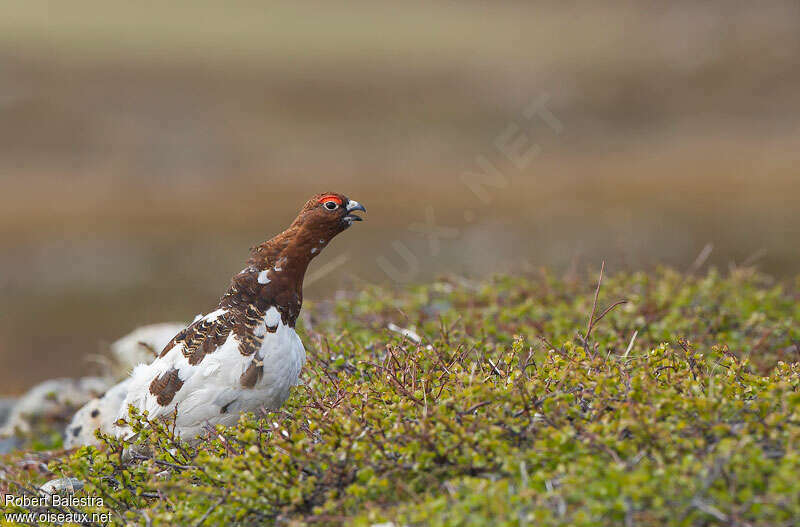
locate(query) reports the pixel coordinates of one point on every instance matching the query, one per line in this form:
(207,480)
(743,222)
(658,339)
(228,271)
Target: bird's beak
(353,206)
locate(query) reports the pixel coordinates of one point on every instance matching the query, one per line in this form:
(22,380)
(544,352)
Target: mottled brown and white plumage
(245,354)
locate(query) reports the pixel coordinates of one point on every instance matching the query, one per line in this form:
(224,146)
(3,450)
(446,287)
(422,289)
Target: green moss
(507,413)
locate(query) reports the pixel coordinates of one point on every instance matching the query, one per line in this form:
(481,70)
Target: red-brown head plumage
(326,215)
(275,271)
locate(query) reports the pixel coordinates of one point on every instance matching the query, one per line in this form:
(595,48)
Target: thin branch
(592,319)
(594,304)
(205,516)
(608,310)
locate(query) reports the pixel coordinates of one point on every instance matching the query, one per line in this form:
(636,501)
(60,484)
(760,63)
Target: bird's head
(327,214)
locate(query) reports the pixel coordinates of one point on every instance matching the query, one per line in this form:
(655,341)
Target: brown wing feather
(166,386)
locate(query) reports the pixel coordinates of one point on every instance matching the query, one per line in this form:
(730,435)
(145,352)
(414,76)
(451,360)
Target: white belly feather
(212,392)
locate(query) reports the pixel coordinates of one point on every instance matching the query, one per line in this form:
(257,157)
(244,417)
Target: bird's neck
(288,253)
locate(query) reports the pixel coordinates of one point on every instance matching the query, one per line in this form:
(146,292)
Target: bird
(245,354)
(99,413)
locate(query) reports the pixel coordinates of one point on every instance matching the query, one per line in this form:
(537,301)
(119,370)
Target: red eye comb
(331,197)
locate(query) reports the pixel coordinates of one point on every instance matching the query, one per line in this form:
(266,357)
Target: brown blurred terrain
(145,146)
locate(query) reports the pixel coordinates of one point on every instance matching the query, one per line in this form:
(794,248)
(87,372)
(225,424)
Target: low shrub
(527,401)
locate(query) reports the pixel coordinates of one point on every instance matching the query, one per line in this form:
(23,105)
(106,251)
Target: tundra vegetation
(534,400)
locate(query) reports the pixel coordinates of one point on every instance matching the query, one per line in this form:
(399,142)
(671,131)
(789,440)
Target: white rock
(140,345)
(50,399)
(61,486)
(6,405)
(408,333)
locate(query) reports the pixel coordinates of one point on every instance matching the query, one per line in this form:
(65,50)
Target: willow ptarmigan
(245,354)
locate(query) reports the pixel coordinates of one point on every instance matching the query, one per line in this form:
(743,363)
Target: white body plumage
(211,391)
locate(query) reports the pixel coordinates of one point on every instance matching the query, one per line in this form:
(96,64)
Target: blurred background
(145,146)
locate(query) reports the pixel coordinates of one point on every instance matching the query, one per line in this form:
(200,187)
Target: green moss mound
(527,402)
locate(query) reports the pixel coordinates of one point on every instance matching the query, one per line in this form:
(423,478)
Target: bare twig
(701,259)
(630,345)
(475,407)
(149,348)
(211,509)
(592,319)
(594,304)
(607,311)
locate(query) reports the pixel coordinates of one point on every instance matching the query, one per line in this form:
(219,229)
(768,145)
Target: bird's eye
(331,205)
